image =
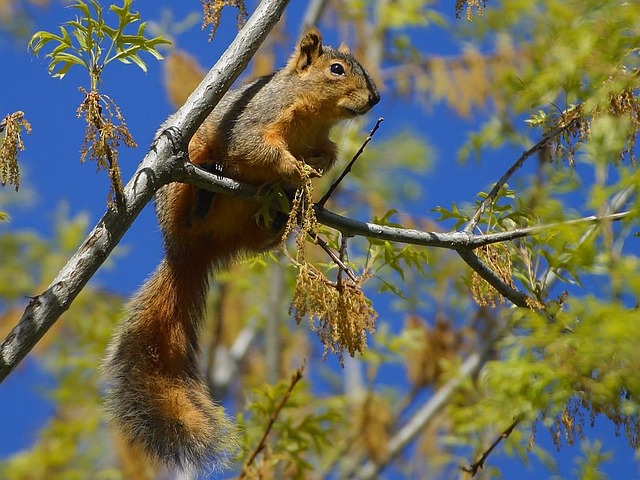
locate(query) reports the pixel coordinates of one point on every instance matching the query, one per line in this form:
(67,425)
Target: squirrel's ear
(309,49)
(344,49)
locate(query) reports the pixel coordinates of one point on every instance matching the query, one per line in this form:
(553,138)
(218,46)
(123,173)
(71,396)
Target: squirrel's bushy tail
(156,399)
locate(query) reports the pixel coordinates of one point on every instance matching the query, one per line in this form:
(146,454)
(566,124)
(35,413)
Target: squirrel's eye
(337,69)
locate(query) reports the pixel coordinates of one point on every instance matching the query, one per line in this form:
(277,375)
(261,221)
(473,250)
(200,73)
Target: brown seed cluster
(338,311)
(103,137)
(10,144)
(497,257)
(340,314)
(213,10)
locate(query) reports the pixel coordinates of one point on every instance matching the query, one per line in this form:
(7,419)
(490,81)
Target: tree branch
(462,242)
(512,294)
(347,169)
(618,201)
(470,367)
(337,260)
(161,165)
(452,240)
(479,465)
(515,167)
(295,378)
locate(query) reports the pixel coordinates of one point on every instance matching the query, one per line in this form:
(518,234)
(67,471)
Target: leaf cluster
(10,144)
(84,45)
(300,429)
(73,440)
(82,42)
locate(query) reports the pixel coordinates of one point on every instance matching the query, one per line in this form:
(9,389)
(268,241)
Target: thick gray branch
(161,165)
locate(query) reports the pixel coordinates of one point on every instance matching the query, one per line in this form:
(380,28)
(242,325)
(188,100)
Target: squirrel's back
(260,133)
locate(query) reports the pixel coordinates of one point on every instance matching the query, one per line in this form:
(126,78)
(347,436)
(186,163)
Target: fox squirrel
(257,134)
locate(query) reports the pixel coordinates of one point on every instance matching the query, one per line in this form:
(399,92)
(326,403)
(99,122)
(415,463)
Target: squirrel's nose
(374,95)
(374,98)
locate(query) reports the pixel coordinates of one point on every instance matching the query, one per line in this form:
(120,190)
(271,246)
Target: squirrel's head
(347,90)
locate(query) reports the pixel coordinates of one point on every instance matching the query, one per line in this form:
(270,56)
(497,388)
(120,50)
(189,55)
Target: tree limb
(295,378)
(463,242)
(547,137)
(161,165)
(458,240)
(512,294)
(479,465)
(470,367)
(618,201)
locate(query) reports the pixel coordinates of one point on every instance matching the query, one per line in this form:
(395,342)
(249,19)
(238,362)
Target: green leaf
(85,45)
(83,7)
(138,61)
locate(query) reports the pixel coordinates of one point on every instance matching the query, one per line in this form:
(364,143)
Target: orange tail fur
(156,400)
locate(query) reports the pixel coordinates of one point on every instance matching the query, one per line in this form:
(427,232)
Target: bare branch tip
(347,169)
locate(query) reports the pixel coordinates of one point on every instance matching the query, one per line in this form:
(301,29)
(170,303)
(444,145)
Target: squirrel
(259,134)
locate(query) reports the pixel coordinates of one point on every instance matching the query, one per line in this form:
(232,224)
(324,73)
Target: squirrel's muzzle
(374,94)
(374,97)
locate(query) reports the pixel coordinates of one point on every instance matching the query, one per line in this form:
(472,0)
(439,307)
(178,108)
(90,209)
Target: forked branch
(479,465)
(547,137)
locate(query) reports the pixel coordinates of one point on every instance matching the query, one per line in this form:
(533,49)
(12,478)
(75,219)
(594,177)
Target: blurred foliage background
(520,70)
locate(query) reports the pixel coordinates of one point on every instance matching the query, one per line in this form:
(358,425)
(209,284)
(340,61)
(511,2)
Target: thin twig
(479,465)
(347,169)
(295,378)
(473,223)
(341,265)
(339,279)
(617,202)
(343,253)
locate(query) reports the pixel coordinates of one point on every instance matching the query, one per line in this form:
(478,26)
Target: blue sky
(52,172)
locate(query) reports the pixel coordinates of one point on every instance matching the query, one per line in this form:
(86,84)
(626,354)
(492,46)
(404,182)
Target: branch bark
(459,240)
(479,464)
(514,295)
(161,165)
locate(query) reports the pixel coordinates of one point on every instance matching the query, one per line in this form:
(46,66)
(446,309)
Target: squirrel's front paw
(311,172)
(296,171)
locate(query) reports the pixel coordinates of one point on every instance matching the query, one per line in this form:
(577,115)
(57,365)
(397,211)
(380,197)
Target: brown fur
(258,134)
